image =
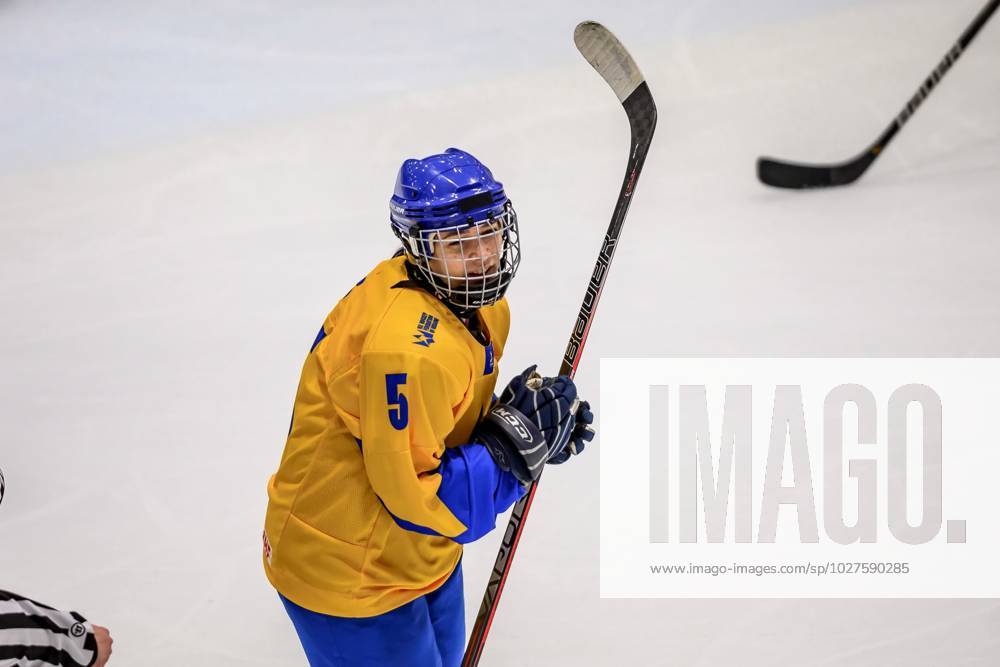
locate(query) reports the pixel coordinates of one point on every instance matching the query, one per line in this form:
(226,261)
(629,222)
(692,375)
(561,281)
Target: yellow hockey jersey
(390,392)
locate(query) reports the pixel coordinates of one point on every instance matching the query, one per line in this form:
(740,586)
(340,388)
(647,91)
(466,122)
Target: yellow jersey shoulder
(418,325)
(386,315)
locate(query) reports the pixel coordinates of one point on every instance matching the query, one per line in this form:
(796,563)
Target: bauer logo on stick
(3,486)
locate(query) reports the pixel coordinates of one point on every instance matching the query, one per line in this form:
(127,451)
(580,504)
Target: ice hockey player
(398,452)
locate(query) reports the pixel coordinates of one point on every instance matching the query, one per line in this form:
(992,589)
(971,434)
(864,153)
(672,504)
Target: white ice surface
(186,190)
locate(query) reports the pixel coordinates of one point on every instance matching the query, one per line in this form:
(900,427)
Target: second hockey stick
(781,174)
(607,55)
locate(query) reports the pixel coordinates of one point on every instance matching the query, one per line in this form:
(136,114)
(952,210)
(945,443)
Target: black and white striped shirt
(36,635)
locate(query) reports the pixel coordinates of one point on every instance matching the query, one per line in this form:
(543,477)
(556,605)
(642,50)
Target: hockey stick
(795,175)
(607,55)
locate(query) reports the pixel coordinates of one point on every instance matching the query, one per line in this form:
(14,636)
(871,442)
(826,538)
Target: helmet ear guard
(412,240)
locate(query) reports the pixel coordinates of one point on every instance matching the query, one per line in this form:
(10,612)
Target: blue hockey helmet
(457,226)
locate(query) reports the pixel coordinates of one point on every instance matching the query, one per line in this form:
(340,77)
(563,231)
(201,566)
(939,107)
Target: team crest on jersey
(425,330)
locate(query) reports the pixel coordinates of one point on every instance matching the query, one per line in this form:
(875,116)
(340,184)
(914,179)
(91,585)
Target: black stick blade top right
(781,174)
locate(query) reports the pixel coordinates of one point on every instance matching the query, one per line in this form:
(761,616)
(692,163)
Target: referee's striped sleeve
(36,635)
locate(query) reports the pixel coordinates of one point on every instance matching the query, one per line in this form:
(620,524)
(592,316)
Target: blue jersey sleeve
(474,489)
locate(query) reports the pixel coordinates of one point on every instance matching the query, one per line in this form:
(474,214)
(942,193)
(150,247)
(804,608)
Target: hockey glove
(532,422)
(583,433)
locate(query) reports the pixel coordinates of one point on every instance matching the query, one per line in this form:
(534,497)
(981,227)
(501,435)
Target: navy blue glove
(532,422)
(583,433)
(550,403)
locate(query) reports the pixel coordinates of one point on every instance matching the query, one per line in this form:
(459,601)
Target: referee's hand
(104,642)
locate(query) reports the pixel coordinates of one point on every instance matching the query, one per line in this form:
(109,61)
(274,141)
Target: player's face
(468,257)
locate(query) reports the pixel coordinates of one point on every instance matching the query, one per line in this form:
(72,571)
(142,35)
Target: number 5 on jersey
(398,414)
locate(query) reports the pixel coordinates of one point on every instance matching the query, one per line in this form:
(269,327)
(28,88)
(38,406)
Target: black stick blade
(796,175)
